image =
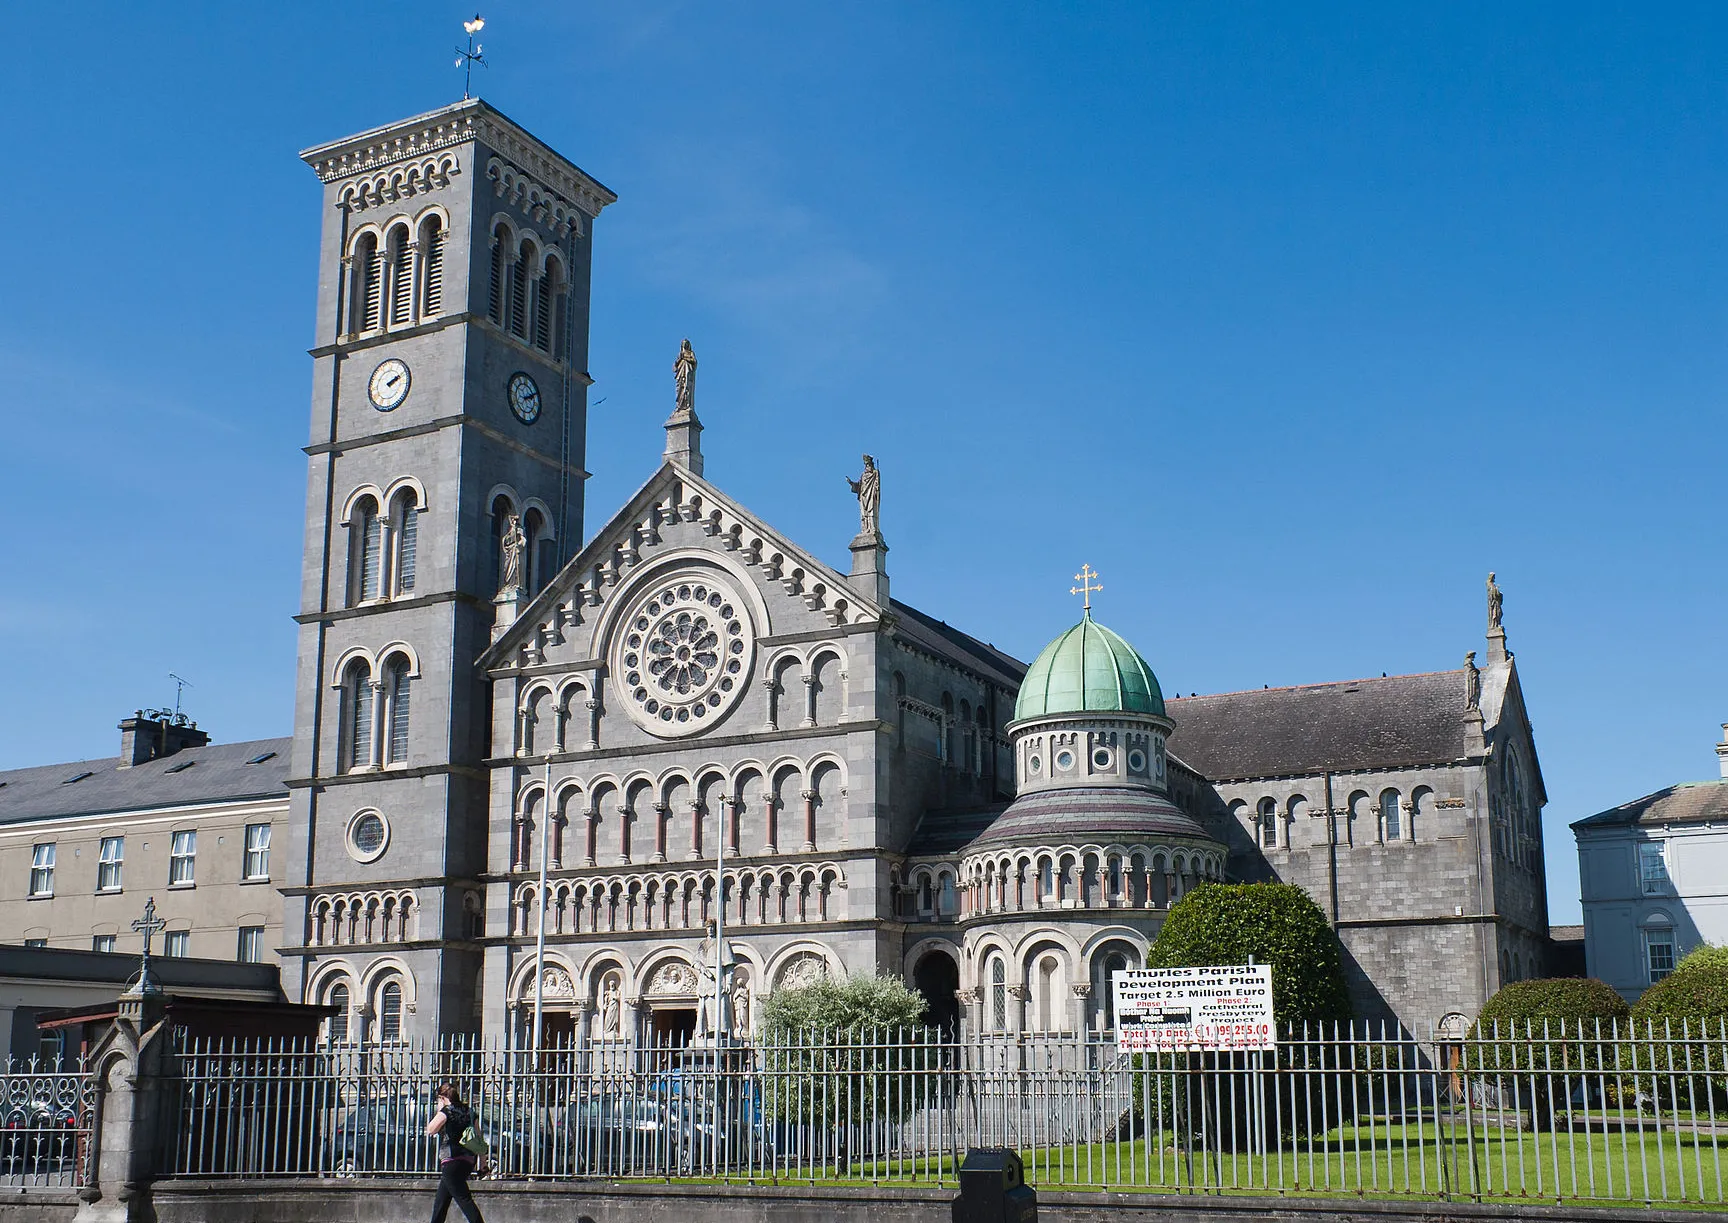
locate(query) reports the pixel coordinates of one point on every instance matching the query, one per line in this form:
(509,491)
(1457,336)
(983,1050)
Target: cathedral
(529,773)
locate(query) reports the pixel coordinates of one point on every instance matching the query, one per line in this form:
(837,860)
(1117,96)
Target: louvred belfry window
(371,546)
(432,251)
(401,277)
(519,272)
(500,255)
(369,277)
(357,692)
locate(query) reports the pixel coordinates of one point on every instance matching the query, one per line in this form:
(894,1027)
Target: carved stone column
(593,707)
(809,701)
(661,811)
(518,842)
(1018,995)
(768,815)
(695,830)
(1082,1003)
(809,797)
(971,1010)
(769,719)
(732,805)
(591,848)
(623,836)
(559,822)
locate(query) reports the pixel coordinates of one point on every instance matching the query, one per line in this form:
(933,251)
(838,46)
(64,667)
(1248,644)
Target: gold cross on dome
(1088,583)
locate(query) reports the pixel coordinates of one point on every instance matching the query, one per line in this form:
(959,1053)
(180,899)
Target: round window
(1034,765)
(368,837)
(682,656)
(1100,759)
(1137,761)
(1064,760)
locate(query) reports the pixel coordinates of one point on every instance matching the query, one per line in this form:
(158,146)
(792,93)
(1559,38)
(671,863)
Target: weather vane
(475,54)
(1088,583)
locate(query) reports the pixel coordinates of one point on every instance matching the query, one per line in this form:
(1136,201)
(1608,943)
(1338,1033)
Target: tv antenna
(180,686)
(475,54)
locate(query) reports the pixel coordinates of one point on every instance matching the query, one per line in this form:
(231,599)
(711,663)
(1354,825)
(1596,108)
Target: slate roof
(942,638)
(948,832)
(217,773)
(1689,802)
(1051,816)
(1390,722)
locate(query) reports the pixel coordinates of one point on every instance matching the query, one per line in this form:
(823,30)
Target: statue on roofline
(868,489)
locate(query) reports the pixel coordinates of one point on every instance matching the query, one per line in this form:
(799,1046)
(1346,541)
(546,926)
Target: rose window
(683,656)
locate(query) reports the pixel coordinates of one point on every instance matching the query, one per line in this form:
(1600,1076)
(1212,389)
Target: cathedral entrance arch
(670,1001)
(937,978)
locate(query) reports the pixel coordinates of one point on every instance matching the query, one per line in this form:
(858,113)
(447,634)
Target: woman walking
(455,1162)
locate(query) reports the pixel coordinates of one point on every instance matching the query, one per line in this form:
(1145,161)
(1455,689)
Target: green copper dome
(1088,669)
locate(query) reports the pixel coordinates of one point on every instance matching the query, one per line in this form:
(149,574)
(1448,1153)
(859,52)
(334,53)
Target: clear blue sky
(1291,322)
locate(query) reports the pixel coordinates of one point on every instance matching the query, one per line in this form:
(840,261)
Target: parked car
(620,1132)
(386,1136)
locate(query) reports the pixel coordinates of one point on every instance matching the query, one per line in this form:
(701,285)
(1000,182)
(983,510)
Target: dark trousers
(453,1187)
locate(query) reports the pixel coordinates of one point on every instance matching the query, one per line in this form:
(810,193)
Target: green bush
(1683,1018)
(1533,1036)
(1271,923)
(850,1007)
(845,1053)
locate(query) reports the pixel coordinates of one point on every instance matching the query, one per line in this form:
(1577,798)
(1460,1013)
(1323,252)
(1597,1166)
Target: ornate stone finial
(684,375)
(148,925)
(1495,599)
(1472,682)
(868,489)
(1089,582)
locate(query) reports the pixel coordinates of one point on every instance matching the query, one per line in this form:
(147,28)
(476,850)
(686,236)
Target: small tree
(1533,1034)
(1277,924)
(1271,923)
(1684,1020)
(837,1054)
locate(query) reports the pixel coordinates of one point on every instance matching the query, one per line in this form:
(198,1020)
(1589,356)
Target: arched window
(534,553)
(368,278)
(336,1027)
(396,709)
(401,253)
(926,897)
(431,266)
(390,1011)
(406,519)
(356,748)
(502,508)
(1046,878)
(1049,997)
(520,271)
(366,552)
(1268,822)
(546,298)
(1391,826)
(998,994)
(1108,966)
(500,264)
(947,897)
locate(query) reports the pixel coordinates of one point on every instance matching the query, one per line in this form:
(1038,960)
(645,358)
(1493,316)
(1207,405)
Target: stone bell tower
(449,411)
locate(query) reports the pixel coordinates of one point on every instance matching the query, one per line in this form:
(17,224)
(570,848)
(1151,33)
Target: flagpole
(540,933)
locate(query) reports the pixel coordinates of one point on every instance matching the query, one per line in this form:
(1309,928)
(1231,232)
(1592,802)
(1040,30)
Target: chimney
(147,736)
(1722,750)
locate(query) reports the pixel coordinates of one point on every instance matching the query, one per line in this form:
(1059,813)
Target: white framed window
(251,949)
(102,942)
(257,864)
(1267,819)
(1659,952)
(368,836)
(177,944)
(183,859)
(1653,869)
(1391,817)
(109,864)
(42,870)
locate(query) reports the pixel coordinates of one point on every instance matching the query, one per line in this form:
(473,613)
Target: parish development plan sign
(1206,1010)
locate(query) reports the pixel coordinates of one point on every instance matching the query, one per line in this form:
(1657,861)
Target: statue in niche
(868,489)
(1495,598)
(609,1005)
(741,1000)
(714,974)
(684,374)
(512,544)
(1472,682)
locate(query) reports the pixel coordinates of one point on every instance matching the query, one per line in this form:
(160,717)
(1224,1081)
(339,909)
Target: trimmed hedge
(1527,1005)
(1272,923)
(1697,990)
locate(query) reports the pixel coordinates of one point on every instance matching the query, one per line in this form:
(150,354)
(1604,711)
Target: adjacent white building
(1653,875)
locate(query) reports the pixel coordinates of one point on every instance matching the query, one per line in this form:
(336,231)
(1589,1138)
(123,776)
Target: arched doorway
(937,978)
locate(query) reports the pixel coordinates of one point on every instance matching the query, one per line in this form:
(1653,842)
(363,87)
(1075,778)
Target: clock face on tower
(524,398)
(388,386)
